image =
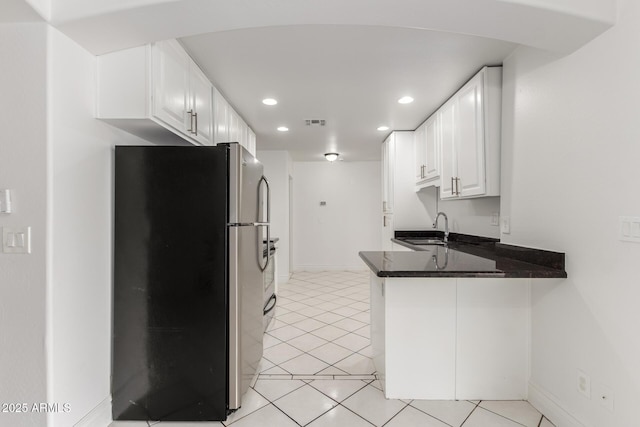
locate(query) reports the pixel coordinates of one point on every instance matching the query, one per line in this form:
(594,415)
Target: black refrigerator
(188,297)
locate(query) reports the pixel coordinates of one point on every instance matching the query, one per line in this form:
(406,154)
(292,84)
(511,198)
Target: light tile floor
(317,370)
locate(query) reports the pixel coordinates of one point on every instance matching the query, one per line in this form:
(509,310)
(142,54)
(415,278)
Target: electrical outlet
(584,384)
(505,225)
(495,219)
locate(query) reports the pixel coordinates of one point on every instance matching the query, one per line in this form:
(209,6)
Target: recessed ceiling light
(283,129)
(383,128)
(405,100)
(269,101)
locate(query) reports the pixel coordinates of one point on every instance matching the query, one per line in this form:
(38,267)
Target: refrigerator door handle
(261,251)
(268,197)
(268,220)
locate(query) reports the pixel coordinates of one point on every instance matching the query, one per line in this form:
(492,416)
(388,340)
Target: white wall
(23,166)
(466,216)
(277,165)
(330,237)
(570,168)
(80,214)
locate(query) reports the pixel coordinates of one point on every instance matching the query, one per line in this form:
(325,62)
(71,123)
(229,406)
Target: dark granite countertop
(464,256)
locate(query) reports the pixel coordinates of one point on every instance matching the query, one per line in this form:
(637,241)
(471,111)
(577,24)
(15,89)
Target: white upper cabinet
(420,146)
(470,138)
(427,147)
(229,126)
(159,93)
(388,169)
(220,118)
(170,81)
(200,106)
(448,167)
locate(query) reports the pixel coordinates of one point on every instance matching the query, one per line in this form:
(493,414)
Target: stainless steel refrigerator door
(246,294)
(246,297)
(245,175)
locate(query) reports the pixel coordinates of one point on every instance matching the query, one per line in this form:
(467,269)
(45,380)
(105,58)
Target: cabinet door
(470,139)
(234,126)
(170,83)
(221,118)
(201,106)
(388,162)
(252,141)
(432,148)
(420,152)
(447,122)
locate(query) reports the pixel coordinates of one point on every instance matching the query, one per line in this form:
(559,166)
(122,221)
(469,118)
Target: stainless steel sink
(426,242)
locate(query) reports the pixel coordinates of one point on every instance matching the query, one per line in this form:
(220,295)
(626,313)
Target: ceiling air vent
(315,122)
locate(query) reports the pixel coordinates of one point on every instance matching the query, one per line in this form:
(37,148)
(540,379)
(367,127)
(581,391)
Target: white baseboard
(100,416)
(317,268)
(551,408)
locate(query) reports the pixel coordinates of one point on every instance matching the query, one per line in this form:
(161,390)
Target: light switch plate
(505,225)
(629,228)
(5,201)
(495,219)
(16,240)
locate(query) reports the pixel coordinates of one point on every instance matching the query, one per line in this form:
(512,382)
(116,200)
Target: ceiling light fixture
(405,100)
(332,157)
(382,128)
(269,101)
(283,129)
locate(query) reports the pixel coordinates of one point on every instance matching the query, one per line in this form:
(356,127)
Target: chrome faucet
(446,225)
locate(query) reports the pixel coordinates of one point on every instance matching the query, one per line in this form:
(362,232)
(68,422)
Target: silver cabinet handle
(195,115)
(453,189)
(458,186)
(190,113)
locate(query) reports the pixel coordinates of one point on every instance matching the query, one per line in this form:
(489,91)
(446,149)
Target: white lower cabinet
(450,338)
(491,339)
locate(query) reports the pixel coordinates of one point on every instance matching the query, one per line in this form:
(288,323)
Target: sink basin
(426,242)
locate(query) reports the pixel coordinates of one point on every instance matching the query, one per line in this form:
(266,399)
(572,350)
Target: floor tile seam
(364,384)
(331,342)
(311,355)
(433,416)
(282,410)
(502,415)
(332,324)
(478,406)
(397,413)
(316,357)
(287,415)
(353,412)
(333,365)
(271,401)
(352,353)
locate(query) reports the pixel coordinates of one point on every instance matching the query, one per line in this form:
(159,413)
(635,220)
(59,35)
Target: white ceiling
(346,61)
(351,76)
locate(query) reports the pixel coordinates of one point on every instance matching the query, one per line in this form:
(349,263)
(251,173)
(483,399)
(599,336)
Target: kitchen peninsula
(452,321)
